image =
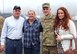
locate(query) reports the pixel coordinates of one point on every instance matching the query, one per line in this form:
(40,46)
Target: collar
(33,22)
(48,17)
(15,18)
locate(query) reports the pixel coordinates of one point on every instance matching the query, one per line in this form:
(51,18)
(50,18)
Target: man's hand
(2,47)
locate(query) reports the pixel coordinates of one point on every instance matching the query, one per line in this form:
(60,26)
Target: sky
(6,6)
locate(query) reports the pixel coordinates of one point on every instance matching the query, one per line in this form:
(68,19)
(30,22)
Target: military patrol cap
(46,5)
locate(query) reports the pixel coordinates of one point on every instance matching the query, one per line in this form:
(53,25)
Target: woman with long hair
(64,29)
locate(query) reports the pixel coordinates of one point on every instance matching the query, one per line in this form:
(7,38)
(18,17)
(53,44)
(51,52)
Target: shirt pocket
(26,28)
(11,26)
(36,29)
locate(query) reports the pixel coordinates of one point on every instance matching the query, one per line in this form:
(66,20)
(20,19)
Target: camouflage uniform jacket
(48,36)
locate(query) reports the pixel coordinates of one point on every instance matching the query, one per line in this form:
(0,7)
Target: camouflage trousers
(49,49)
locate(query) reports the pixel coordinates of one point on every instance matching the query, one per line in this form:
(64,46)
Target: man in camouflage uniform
(49,45)
(1,23)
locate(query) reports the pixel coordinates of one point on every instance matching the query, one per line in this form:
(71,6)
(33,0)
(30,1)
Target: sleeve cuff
(2,43)
(62,37)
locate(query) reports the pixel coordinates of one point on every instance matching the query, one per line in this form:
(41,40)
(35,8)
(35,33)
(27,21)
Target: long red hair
(65,20)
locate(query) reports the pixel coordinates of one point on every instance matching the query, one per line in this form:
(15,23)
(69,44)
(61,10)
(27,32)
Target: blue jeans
(13,46)
(32,50)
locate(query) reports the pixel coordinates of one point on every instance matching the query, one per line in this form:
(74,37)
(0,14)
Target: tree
(1,23)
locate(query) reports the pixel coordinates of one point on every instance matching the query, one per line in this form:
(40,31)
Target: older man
(11,36)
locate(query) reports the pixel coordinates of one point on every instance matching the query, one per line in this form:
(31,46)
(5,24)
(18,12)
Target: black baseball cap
(17,7)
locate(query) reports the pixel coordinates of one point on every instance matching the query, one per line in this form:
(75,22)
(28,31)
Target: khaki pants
(49,50)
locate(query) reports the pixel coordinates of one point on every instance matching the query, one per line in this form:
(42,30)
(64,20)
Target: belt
(14,39)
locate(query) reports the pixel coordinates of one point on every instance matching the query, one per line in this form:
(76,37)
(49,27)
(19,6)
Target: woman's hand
(58,38)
